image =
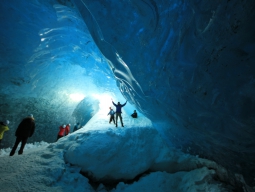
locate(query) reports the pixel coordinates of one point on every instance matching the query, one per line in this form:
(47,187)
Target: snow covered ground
(101,157)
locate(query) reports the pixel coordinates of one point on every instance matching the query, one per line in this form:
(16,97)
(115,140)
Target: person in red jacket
(62,130)
(68,128)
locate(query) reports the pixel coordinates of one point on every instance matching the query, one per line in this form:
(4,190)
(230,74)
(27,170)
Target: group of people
(26,127)
(65,129)
(118,113)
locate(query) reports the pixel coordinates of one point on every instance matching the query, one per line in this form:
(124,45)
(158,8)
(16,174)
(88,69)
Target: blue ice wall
(85,110)
(189,66)
(47,61)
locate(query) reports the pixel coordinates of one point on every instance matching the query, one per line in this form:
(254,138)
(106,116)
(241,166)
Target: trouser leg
(18,139)
(121,120)
(117,115)
(113,119)
(23,143)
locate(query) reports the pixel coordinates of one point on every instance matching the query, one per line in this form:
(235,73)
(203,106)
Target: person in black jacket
(25,129)
(134,115)
(118,112)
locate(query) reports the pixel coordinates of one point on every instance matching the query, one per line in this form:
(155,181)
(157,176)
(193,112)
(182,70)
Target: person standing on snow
(76,127)
(3,127)
(25,130)
(67,131)
(111,113)
(62,130)
(118,112)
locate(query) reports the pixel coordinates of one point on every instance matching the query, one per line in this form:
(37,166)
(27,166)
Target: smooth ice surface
(188,66)
(108,154)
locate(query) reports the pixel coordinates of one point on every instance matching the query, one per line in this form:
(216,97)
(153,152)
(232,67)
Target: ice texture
(187,65)
(47,60)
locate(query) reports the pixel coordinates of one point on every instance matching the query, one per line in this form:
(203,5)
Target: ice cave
(185,66)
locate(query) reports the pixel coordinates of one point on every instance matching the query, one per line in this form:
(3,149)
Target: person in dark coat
(76,127)
(25,130)
(118,112)
(134,115)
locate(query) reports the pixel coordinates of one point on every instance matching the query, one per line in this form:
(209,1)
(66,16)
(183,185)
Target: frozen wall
(189,66)
(85,110)
(48,63)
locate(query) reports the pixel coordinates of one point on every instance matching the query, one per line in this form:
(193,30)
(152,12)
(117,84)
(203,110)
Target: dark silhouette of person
(111,113)
(25,130)
(76,127)
(118,112)
(134,115)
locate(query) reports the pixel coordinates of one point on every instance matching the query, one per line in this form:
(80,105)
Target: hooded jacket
(3,128)
(26,128)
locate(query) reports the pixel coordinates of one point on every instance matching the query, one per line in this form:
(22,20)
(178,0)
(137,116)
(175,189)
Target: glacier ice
(187,65)
(191,67)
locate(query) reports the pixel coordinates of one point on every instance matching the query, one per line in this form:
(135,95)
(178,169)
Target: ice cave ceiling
(187,65)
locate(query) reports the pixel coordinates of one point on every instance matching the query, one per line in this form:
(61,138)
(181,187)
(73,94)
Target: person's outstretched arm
(124,104)
(113,103)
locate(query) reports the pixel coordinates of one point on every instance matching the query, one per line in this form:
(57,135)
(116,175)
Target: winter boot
(12,153)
